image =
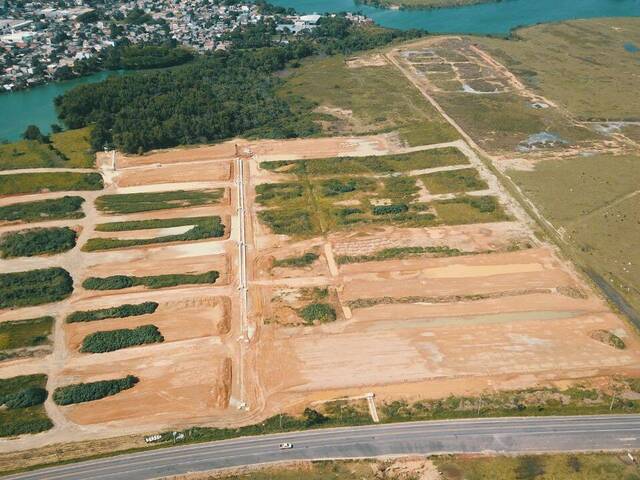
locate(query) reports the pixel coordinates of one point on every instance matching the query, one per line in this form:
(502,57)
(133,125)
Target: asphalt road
(511,435)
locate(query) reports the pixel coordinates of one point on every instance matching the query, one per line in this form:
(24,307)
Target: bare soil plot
(195,171)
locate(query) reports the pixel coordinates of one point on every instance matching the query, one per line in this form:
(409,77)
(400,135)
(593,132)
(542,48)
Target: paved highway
(478,435)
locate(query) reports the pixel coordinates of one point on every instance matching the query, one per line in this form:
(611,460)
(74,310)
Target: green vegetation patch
(203,228)
(608,338)
(111,340)
(37,241)
(303,260)
(289,222)
(380,164)
(87,392)
(43,210)
(121,311)
(25,333)
(454,181)
(467,209)
(118,282)
(74,147)
(24,183)
(23,412)
(28,154)
(318,313)
(401,252)
(144,202)
(34,287)
(269,193)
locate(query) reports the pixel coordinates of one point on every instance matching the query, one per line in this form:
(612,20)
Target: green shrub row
(400,252)
(13,427)
(390,209)
(37,241)
(41,210)
(110,340)
(118,282)
(143,202)
(148,224)
(302,261)
(318,312)
(34,287)
(87,392)
(22,411)
(23,183)
(122,311)
(27,397)
(204,227)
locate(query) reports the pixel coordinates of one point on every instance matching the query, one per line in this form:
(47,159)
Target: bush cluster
(34,287)
(37,241)
(126,310)
(86,392)
(58,208)
(302,261)
(27,397)
(110,340)
(390,209)
(278,191)
(318,312)
(118,282)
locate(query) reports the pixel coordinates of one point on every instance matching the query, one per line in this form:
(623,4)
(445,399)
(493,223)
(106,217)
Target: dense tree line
(34,287)
(217,96)
(121,311)
(111,340)
(86,392)
(37,241)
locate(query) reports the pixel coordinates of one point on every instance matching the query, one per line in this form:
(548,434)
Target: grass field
(55,209)
(69,149)
(596,201)
(31,419)
(453,181)
(24,183)
(143,202)
(581,64)
(367,100)
(25,333)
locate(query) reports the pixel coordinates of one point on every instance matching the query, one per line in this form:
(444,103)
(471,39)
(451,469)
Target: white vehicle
(286,446)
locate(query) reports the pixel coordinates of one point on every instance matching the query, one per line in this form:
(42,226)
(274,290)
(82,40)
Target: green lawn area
(367,100)
(453,181)
(68,149)
(28,419)
(25,333)
(143,202)
(596,201)
(24,183)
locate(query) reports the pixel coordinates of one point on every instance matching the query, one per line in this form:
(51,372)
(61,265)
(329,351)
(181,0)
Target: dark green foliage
(313,417)
(288,221)
(138,57)
(278,191)
(390,209)
(400,188)
(108,341)
(59,208)
(529,468)
(318,312)
(118,282)
(20,183)
(143,202)
(401,252)
(37,241)
(87,392)
(33,133)
(28,397)
(34,287)
(122,311)
(303,261)
(334,187)
(204,227)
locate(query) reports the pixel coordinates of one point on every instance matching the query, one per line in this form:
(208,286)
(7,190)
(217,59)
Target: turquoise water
(631,47)
(35,106)
(489,18)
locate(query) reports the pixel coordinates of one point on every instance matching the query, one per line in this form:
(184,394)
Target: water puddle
(631,47)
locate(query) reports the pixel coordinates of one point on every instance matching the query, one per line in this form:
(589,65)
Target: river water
(35,106)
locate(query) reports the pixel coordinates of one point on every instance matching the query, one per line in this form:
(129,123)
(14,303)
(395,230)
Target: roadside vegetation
(23,334)
(21,409)
(118,282)
(87,392)
(144,202)
(111,340)
(121,311)
(34,287)
(37,241)
(25,183)
(43,210)
(202,228)
(402,252)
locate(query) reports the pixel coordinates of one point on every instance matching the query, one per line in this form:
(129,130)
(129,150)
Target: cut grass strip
(25,333)
(34,287)
(203,228)
(144,202)
(25,183)
(118,282)
(122,311)
(43,210)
